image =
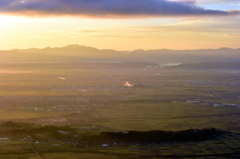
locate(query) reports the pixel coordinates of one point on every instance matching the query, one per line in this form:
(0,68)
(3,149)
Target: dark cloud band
(106,8)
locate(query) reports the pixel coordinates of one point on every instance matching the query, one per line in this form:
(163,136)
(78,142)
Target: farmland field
(140,99)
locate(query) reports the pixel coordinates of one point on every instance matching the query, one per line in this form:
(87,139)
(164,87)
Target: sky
(120,24)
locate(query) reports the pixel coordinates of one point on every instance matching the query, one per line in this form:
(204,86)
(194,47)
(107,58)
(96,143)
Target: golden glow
(174,33)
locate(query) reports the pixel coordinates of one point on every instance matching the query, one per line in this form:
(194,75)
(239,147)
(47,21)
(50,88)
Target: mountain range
(78,53)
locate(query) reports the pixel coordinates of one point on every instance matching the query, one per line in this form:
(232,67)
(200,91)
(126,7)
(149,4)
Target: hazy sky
(120,24)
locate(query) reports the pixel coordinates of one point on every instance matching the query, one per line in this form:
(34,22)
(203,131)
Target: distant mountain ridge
(79,53)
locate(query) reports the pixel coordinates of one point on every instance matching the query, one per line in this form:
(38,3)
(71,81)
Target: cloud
(107,8)
(220,1)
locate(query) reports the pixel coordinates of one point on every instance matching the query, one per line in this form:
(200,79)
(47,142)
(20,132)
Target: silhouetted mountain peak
(139,50)
(75,46)
(225,48)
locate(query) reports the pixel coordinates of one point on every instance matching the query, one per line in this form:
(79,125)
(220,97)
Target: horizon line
(46,47)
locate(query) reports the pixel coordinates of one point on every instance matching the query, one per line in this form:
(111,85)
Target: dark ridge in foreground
(155,136)
(20,130)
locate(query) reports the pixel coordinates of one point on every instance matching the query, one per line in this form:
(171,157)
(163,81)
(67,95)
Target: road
(35,150)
